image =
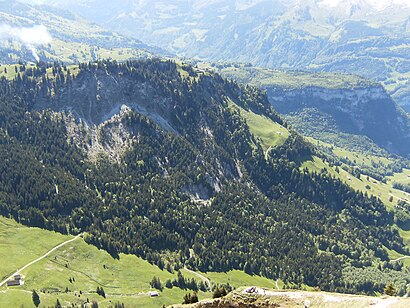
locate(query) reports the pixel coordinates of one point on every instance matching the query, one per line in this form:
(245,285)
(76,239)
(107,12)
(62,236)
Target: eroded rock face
(96,102)
(97,96)
(110,139)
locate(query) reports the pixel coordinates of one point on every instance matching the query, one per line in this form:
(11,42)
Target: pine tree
(202,286)
(169,268)
(190,299)
(247,268)
(156,283)
(36,298)
(100,291)
(58,305)
(181,280)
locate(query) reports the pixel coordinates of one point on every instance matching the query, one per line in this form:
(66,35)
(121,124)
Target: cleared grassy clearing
(270,133)
(405,234)
(10,71)
(125,279)
(402,178)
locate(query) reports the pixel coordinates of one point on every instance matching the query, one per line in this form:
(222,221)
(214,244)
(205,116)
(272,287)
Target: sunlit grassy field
(270,133)
(125,279)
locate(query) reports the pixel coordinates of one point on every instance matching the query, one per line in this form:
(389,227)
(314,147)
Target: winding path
(39,259)
(401,258)
(267,152)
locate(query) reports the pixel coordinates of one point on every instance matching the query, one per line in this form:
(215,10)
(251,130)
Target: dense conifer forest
(202,194)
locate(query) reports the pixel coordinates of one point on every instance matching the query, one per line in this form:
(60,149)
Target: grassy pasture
(124,279)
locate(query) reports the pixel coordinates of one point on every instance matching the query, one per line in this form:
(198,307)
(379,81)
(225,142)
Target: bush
(390,290)
(168,284)
(219,292)
(190,299)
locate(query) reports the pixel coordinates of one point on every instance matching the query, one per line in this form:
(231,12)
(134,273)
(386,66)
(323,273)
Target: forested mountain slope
(153,158)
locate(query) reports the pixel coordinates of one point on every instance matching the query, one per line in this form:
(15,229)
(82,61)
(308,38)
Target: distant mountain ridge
(357,36)
(72,39)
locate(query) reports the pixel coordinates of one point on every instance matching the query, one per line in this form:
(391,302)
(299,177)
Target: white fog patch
(31,37)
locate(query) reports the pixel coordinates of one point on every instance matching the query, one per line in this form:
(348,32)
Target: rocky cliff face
(96,103)
(96,96)
(367,111)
